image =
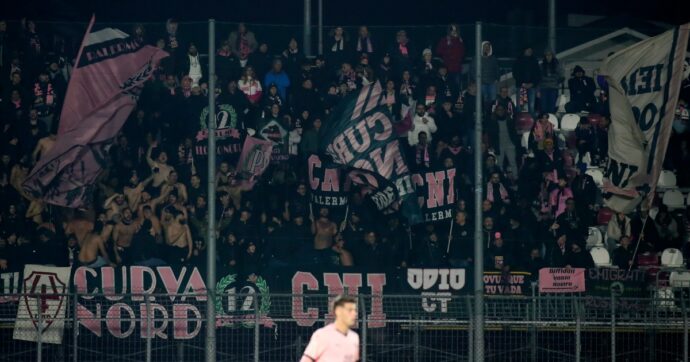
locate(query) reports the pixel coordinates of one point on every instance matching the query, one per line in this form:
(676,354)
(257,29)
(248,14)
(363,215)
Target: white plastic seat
(679,279)
(569,122)
(554,121)
(594,238)
(672,258)
(667,179)
(563,99)
(673,199)
(597,174)
(601,256)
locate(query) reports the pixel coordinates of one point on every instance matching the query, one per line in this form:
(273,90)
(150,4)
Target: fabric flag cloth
(108,77)
(254,160)
(644,82)
(436,193)
(360,137)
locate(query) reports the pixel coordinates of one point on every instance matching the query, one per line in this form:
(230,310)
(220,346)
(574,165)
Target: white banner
(644,82)
(43,305)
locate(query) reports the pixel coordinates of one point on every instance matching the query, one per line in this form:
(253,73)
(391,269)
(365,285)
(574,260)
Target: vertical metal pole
(363,309)
(552,26)
(149,320)
(613,326)
(320,27)
(306,33)
(478,244)
(211,237)
(39,337)
(470,350)
(256,327)
(75,328)
(578,330)
(685,327)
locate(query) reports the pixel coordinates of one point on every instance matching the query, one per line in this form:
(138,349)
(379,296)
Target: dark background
(346,12)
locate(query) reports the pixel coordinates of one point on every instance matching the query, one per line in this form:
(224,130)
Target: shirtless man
(147,214)
(122,234)
(92,252)
(134,190)
(324,230)
(114,205)
(343,255)
(43,146)
(159,167)
(80,227)
(17,177)
(178,237)
(172,185)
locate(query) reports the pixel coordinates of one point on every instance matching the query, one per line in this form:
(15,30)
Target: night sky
(352,12)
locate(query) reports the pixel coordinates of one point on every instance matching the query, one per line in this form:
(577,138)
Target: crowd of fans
(150,206)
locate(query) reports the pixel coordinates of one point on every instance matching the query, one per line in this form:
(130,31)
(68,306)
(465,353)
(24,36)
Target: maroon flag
(110,72)
(254,160)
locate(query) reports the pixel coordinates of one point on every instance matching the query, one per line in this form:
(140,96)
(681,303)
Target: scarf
(224,53)
(338,45)
(490,192)
(422,155)
(187,91)
(367,41)
(244,46)
(542,130)
(403,49)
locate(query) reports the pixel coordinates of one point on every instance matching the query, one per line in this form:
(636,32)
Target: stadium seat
(524,140)
(524,122)
(569,122)
(594,238)
(563,99)
(679,279)
(601,256)
(673,199)
(667,179)
(672,258)
(604,215)
(554,121)
(647,259)
(597,174)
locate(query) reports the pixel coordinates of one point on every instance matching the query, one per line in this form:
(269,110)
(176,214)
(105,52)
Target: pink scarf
(422,156)
(490,192)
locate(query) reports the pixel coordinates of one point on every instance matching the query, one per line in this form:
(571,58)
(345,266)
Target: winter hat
(578,69)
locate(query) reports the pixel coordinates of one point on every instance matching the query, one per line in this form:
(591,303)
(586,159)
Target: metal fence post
(533,327)
(363,308)
(39,337)
(578,330)
(75,328)
(148,329)
(613,326)
(470,329)
(256,327)
(685,327)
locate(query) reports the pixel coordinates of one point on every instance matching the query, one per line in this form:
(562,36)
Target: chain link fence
(164,327)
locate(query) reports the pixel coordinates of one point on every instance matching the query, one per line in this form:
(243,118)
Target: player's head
(345,309)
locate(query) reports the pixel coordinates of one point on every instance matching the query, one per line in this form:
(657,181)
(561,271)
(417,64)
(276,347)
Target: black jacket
(526,70)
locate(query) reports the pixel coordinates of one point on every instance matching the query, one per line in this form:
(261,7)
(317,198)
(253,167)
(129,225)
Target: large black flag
(359,136)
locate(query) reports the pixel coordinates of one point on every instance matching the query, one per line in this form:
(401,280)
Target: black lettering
(657,78)
(633,83)
(646,74)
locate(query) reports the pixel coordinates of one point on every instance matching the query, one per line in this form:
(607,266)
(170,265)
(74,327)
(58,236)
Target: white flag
(644,82)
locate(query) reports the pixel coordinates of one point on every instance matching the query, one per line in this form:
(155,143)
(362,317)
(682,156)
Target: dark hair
(341,300)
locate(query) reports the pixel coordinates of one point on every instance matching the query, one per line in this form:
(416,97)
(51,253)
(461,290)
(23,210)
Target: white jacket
(418,125)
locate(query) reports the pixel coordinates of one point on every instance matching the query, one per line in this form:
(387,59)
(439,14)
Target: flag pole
(450,235)
(211,236)
(478,245)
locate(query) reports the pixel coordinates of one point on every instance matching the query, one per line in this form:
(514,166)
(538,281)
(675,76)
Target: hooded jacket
(490,72)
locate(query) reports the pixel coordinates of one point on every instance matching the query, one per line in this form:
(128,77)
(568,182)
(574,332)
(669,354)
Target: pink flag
(109,74)
(254,159)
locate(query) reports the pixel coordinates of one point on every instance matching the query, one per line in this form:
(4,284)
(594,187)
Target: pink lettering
(171,284)
(299,281)
(392,160)
(385,123)
(181,321)
(91,321)
(353,281)
(137,280)
(377,319)
(114,320)
(434,181)
(363,134)
(155,331)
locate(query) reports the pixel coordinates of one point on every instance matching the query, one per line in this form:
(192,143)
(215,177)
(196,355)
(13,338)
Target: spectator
(496,192)
(527,78)
(490,73)
(310,139)
(242,42)
(585,140)
(579,258)
(364,43)
(585,191)
(504,100)
(551,79)
(293,58)
(559,197)
(402,52)
(535,263)
(191,66)
(618,227)
(623,255)
(422,122)
(498,256)
(278,77)
(461,252)
(542,130)
(250,86)
(503,138)
(260,61)
(558,253)
(227,63)
(581,92)
(337,48)
(452,50)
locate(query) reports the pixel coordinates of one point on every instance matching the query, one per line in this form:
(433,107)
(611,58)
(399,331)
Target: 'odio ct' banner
(644,81)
